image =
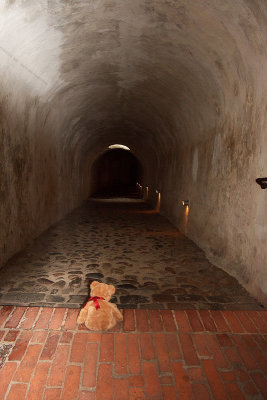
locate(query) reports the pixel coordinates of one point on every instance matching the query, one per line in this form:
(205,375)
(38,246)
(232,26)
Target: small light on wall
(146,193)
(158,201)
(185,203)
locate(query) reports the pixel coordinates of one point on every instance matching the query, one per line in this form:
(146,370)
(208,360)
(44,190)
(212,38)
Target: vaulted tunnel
(182,83)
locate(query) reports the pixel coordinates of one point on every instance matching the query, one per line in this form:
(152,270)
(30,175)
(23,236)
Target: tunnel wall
(38,176)
(227,215)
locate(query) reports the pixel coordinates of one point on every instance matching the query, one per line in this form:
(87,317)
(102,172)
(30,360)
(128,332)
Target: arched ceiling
(147,73)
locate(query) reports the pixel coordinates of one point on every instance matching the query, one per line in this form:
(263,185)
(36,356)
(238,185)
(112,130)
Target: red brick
(121,351)
(5,312)
(166,380)
(20,347)
(14,320)
(152,385)
(261,341)
(222,325)
(39,336)
(173,347)
(128,320)
(50,346)
(168,321)
(182,382)
(263,315)
(104,382)
(78,347)
(28,363)
(147,348)
(87,395)
(72,382)
(255,351)
(155,321)
(201,345)
(234,391)
(71,319)
(258,321)
(6,374)
(195,374)
(246,322)
(17,391)
(37,385)
(260,382)
(162,353)
(244,352)
(11,336)
(52,394)
(2,333)
(200,391)
(250,389)
(190,355)
(182,321)
(228,376)
(120,389)
(107,347)
(232,355)
(90,362)
(142,320)
(93,337)
(66,337)
(134,363)
(44,318)
(242,375)
(29,318)
(216,351)
(233,322)
(224,340)
(136,394)
(207,320)
(194,320)
(57,318)
(136,381)
(169,393)
(214,380)
(59,366)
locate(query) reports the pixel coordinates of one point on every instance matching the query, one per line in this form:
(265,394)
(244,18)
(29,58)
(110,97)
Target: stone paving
(123,242)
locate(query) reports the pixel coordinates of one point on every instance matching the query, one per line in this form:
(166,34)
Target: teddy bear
(98,314)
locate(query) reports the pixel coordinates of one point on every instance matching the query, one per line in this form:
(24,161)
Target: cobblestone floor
(152,355)
(125,243)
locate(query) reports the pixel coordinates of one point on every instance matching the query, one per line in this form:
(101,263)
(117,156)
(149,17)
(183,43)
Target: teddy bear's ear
(94,284)
(111,289)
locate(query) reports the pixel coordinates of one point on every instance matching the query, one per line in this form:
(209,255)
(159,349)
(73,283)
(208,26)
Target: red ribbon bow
(96,304)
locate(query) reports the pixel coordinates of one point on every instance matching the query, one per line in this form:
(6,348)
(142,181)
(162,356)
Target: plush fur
(107,315)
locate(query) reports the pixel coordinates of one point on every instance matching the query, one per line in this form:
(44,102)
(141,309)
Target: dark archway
(115,173)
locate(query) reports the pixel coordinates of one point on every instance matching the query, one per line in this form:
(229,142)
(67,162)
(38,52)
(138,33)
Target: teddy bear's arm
(82,316)
(117,313)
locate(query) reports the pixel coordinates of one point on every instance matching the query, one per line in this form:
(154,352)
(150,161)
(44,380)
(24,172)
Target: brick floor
(153,354)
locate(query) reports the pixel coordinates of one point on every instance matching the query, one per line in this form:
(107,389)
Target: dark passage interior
(116,173)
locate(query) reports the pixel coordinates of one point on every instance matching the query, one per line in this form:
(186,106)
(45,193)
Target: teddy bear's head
(102,290)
